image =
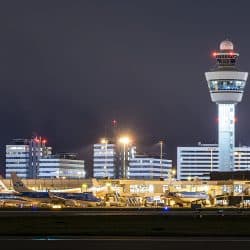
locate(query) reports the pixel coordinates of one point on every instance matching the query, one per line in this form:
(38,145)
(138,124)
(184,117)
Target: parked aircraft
(12,200)
(63,198)
(188,197)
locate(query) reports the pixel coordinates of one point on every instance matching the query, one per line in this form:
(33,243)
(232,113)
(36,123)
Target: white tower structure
(226,84)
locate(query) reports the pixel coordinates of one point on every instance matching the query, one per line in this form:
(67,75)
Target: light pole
(161,144)
(211,159)
(173,172)
(124,141)
(105,142)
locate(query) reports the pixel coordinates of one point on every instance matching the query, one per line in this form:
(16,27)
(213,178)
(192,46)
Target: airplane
(12,200)
(86,199)
(188,197)
(37,198)
(9,198)
(63,198)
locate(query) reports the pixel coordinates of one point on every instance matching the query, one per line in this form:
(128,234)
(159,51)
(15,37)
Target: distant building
(104,160)
(119,161)
(111,160)
(23,155)
(149,167)
(61,166)
(125,152)
(198,162)
(31,158)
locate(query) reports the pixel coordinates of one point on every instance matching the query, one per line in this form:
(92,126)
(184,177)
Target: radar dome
(226,45)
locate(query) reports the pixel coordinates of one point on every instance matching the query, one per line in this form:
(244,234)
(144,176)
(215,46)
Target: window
(227,85)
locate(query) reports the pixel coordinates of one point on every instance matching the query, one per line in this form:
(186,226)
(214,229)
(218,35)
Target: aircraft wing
(54,197)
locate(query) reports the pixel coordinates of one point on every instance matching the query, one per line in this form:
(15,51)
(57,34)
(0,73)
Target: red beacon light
(214,54)
(36,139)
(44,141)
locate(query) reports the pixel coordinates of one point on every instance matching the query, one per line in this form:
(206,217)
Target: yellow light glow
(238,153)
(55,206)
(124,140)
(173,171)
(104,141)
(108,184)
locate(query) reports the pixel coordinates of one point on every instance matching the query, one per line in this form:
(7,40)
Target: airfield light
(84,187)
(166,208)
(56,206)
(107,184)
(124,140)
(104,141)
(37,140)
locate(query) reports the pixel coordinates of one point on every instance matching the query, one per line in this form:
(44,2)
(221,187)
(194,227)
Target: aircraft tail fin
(3,187)
(18,184)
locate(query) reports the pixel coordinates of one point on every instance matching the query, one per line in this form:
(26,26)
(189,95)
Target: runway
(124,212)
(141,223)
(138,243)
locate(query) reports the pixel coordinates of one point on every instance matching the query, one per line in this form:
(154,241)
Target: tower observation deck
(226,85)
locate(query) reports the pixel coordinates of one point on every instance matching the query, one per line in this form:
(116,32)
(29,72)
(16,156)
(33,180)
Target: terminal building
(31,159)
(221,192)
(197,162)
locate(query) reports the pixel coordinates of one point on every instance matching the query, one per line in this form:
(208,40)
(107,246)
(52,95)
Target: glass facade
(191,165)
(61,168)
(142,167)
(227,85)
(32,154)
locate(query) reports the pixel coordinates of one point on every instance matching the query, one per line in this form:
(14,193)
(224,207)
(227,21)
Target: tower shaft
(226,136)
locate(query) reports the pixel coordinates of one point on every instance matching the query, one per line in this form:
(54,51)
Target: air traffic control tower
(226,85)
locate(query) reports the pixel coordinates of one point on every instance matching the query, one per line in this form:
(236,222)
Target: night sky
(67,68)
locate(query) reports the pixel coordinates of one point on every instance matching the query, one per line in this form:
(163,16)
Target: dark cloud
(69,67)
